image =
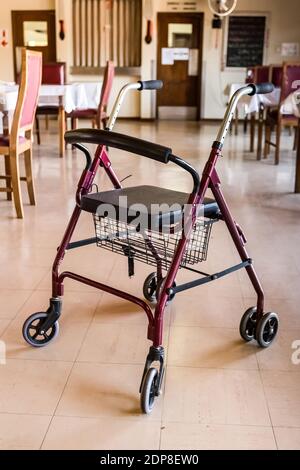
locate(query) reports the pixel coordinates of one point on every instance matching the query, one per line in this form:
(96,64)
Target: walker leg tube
(236,237)
(57,287)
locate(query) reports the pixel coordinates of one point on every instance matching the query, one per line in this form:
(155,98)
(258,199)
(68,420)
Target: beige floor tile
(210,347)
(206,309)
(22,432)
(282,393)
(3,325)
(25,277)
(287,438)
(211,396)
(11,302)
(279,355)
(182,436)
(77,307)
(116,344)
(32,387)
(77,313)
(105,390)
(97,434)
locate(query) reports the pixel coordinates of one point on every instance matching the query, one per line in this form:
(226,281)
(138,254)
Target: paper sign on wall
(167,56)
(171,54)
(290,49)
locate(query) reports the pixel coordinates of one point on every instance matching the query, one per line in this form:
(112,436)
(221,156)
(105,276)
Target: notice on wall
(290,49)
(167,56)
(171,54)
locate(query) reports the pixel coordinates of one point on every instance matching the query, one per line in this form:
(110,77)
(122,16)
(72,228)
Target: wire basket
(151,246)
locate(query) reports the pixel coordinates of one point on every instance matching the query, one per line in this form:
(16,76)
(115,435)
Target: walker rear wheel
(149,390)
(267,329)
(149,287)
(248,325)
(34,334)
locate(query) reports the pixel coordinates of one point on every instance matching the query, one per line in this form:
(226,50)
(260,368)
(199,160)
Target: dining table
(257,104)
(68,98)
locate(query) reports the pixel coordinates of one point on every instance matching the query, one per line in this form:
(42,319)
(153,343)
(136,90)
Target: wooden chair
(97,116)
(52,74)
(14,144)
(276,120)
(260,75)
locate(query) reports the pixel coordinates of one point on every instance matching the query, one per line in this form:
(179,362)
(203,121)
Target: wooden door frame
(34,13)
(200,16)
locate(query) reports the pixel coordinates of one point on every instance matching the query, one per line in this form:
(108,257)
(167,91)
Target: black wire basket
(150,246)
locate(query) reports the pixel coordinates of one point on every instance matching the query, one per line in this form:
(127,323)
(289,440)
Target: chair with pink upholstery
(276,120)
(19,140)
(276,75)
(52,74)
(97,116)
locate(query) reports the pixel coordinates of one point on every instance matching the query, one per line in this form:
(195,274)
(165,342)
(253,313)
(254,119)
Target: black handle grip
(261,89)
(151,85)
(123,142)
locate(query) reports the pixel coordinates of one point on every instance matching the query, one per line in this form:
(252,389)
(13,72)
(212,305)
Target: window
(106,30)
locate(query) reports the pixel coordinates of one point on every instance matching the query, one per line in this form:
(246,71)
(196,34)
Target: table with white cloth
(68,98)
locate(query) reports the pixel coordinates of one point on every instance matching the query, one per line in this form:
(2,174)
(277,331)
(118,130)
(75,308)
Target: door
(179,59)
(34,29)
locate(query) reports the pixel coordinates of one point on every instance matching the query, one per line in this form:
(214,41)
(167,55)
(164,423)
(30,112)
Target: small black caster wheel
(34,335)
(267,329)
(149,390)
(159,288)
(248,324)
(149,287)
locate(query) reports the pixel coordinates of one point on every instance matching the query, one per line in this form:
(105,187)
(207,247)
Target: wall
(283,27)
(6,53)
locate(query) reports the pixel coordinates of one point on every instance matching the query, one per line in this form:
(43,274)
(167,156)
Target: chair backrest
(275,77)
(54,73)
(108,79)
(290,79)
(31,76)
(250,75)
(262,73)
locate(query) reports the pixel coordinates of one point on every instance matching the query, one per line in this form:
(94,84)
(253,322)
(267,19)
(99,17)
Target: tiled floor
(81,392)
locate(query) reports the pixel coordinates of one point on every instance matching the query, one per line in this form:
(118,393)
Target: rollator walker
(163,241)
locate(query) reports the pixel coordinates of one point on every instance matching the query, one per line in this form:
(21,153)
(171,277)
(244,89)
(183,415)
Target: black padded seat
(147,197)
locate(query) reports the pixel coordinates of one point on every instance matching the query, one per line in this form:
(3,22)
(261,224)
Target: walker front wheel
(149,390)
(34,334)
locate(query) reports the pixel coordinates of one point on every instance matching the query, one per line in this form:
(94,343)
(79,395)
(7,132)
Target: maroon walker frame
(210,180)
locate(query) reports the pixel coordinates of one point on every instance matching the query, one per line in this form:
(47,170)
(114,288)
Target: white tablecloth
(251,104)
(75,96)
(291,104)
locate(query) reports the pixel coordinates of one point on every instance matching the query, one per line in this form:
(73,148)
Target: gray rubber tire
(148,392)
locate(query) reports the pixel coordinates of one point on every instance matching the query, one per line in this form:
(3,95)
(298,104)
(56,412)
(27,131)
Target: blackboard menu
(246,37)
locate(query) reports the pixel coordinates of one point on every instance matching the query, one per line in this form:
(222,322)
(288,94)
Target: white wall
(6,53)
(283,27)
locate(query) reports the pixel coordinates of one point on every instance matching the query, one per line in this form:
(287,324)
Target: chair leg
(295,138)
(29,176)
(245,124)
(37,126)
(8,174)
(267,140)
(47,122)
(74,123)
(278,140)
(252,132)
(16,186)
